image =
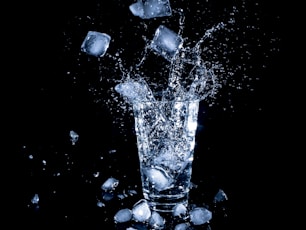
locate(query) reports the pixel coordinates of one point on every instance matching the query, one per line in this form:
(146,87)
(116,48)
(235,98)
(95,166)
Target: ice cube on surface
(110,184)
(74,137)
(147,9)
(220,196)
(96,43)
(107,196)
(179,210)
(166,42)
(156,220)
(123,215)
(141,211)
(35,199)
(182,226)
(200,215)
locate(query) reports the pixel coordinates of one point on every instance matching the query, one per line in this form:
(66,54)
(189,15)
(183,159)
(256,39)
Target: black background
(236,148)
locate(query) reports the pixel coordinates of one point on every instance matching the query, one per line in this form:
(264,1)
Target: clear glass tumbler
(165,132)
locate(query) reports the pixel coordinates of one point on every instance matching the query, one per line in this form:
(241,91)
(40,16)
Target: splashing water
(200,83)
(190,76)
(223,55)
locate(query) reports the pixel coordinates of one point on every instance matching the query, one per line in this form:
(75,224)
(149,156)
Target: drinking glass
(165,132)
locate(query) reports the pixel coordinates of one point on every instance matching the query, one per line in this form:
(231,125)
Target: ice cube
(35,199)
(179,210)
(74,137)
(100,204)
(141,211)
(182,226)
(135,91)
(156,220)
(220,196)
(95,43)
(123,215)
(166,42)
(159,178)
(110,184)
(147,9)
(200,215)
(131,90)
(167,159)
(137,9)
(107,196)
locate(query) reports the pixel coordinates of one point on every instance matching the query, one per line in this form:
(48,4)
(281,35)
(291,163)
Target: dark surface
(233,142)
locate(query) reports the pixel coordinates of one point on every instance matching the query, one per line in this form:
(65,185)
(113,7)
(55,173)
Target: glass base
(166,203)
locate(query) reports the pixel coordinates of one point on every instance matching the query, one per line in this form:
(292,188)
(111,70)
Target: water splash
(201,81)
(228,53)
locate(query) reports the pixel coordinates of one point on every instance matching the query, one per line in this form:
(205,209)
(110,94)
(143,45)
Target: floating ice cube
(166,42)
(131,90)
(110,184)
(159,178)
(167,159)
(95,43)
(147,9)
(137,9)
(200,215)
(141,211)
(135,91)
(123,215)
